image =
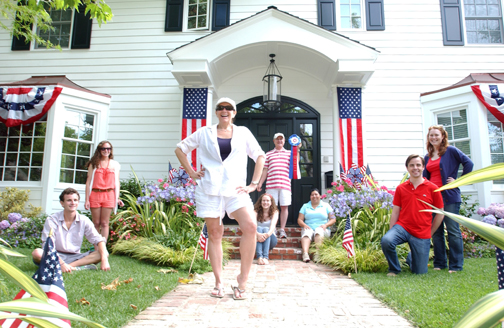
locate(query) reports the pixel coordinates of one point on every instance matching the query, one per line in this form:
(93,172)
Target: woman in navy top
(441,167)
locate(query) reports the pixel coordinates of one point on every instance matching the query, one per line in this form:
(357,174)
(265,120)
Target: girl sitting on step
(267,217)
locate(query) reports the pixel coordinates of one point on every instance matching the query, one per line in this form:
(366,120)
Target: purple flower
(481,211)
(14,226)
(14,217)
(25,220)
(4,224)
(490,219)
(500,222)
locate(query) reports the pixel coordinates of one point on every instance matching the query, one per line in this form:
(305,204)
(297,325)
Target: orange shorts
(102,199)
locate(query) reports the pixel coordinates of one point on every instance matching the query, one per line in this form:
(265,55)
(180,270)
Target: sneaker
(87,267)
(306,257)
(391,274)
(282,234)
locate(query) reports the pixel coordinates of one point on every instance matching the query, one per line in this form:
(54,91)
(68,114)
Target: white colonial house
(125,82)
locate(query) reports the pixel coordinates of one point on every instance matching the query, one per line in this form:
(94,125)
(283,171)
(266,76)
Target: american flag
(350,114)
(343,175)
(348,242)
(203,242)
(194,115)
(366,172)
(49,278)
(491,98)
(24,105)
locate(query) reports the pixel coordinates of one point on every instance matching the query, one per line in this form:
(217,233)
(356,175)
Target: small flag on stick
(348,241)
(203,242)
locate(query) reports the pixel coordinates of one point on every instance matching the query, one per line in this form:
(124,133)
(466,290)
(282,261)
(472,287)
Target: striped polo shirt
(277,163)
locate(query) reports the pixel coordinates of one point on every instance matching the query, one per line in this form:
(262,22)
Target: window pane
(37,159)
(11,159)
(71,131)
(481,25)
(345,22)
(86,134)
(24,159)
(66,176)
(444,119)
(493,25)
(3,143)
(72,118)
(307,143)
(306,129)
(497,158)
(202,9)
(69,147)
(14,131)
(25,144)
(493,10)
(459,116)
(68,162)
(193,10)
(13,144)
(40,129)
(191,23)
(22,174)
(470,10)
(481,10)
(9,174)
(38,144)
(356,10)
(306,170)
(2,157)
(81,163)
(80,177)
(202,21)
(27,130)
(66,15)
(345,10)
(460,131)
(35,174)
(84,150)
(306,156)
(495,37)
(496,145)
(356,22)
(3,130)
(464,147)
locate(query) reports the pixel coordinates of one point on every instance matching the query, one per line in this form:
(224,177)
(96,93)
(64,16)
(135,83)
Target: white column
(336,133)
(210,107)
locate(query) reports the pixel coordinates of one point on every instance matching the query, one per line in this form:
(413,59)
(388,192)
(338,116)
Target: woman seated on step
(314,217)
(267,217)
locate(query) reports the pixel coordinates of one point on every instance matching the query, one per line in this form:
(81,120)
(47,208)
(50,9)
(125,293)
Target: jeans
(262,249)
(419,250)
(455,242)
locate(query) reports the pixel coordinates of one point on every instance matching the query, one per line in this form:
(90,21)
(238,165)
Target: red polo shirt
(417,223)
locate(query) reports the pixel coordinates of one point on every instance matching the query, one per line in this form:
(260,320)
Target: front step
(287,248)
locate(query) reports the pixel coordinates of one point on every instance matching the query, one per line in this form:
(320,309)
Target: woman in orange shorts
(102,187)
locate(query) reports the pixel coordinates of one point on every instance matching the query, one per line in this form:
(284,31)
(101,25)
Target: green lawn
(435,299)
(107,307)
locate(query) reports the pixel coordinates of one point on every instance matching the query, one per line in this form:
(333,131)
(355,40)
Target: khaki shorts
(208,206)
(69,258)
(319,231)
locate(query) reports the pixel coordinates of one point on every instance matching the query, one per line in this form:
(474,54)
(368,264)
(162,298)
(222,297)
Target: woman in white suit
(223,149)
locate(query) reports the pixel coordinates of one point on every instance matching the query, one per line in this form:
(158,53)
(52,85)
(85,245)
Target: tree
(22,15)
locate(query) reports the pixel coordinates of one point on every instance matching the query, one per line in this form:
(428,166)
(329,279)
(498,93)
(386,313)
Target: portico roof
(472,78)
(297,44)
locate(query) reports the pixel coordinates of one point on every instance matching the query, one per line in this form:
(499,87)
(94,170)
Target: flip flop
(240,291)
(220,292)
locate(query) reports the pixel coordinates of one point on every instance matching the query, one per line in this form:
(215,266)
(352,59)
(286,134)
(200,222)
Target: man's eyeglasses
(228,108)
(105,149)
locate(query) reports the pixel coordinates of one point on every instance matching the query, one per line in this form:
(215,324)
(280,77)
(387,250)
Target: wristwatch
(254,182)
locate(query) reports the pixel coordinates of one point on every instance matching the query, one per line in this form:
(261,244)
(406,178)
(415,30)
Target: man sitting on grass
(69,228)
(408,224)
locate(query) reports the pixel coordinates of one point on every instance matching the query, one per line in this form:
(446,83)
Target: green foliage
(21,15)
(13,200)
(131,186)
(466,209)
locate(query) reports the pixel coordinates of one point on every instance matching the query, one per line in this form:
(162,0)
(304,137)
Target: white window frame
(92,143)
(495,185)
(34,44)
(338,17)
(501,18)
(185,27)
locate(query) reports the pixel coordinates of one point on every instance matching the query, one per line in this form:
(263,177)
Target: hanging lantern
(272,82)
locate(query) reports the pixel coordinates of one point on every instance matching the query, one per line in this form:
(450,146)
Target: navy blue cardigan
(449,165)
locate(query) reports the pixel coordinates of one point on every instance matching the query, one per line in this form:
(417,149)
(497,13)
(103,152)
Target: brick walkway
(282,294)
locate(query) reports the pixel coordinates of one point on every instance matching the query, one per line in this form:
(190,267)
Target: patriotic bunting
(491,98)
(25,105)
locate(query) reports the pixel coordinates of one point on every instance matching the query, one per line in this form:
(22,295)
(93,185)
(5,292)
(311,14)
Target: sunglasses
(228,108)
(105,149)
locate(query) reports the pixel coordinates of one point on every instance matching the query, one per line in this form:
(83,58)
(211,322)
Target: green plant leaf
(25,282)
(37,322)
(485,313)
(489,173)
(10,252)
(39,308)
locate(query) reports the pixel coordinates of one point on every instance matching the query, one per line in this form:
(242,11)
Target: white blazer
(222,177)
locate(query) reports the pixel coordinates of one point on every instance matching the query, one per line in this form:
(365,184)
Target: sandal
(260,261)
(240,291)
(219,294)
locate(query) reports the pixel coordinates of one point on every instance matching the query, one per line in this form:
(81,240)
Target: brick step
(289,253)
(294,242)
(234,230)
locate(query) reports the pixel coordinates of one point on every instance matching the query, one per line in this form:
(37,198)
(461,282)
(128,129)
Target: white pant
(282,195)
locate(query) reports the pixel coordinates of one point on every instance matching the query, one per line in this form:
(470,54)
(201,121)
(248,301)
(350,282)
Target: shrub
(13,200)
(22,232)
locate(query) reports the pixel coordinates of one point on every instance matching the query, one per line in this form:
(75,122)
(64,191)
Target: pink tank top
(104,178)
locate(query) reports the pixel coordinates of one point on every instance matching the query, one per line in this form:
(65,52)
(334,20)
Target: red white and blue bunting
(491,98)
(24,105)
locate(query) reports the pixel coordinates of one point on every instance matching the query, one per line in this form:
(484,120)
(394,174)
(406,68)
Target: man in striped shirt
(276,174)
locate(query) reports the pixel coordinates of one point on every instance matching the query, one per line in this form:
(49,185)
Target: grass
(110,308)
(436,299)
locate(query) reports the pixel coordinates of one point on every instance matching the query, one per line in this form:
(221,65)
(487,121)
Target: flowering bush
(22,232)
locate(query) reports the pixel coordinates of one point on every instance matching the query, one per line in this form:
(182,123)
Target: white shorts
(319,231)
(208,206)
(282,195)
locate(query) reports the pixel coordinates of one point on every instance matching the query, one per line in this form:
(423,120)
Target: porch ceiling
(297,44)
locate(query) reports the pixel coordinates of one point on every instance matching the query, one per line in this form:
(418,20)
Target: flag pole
(195,251)
(355,261)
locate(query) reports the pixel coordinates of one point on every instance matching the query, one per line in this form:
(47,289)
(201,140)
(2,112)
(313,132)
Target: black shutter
(220,14)
(82,24)
(375,18)
(174,15)
(451,22)
(327,14)
(19,43)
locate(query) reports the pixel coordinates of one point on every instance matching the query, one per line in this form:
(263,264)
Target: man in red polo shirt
(408,224)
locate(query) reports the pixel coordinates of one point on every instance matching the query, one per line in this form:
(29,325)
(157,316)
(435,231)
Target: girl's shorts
(102,199)
(208,206)
(318,231)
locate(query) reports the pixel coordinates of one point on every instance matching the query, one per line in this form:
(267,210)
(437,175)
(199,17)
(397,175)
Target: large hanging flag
(350,123)
(25,105)
(492,98)
(348,242)
(203,242)
(194,116)
(49,278)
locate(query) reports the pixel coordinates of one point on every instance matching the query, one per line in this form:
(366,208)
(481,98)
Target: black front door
(305,123)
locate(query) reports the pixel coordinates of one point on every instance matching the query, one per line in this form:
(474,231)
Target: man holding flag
(278,184)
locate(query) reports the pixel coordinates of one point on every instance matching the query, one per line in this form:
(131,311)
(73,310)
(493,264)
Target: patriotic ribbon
(25,105)
(294,172)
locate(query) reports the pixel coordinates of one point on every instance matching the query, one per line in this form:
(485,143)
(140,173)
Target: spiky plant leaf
(485,313)
(489,173)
